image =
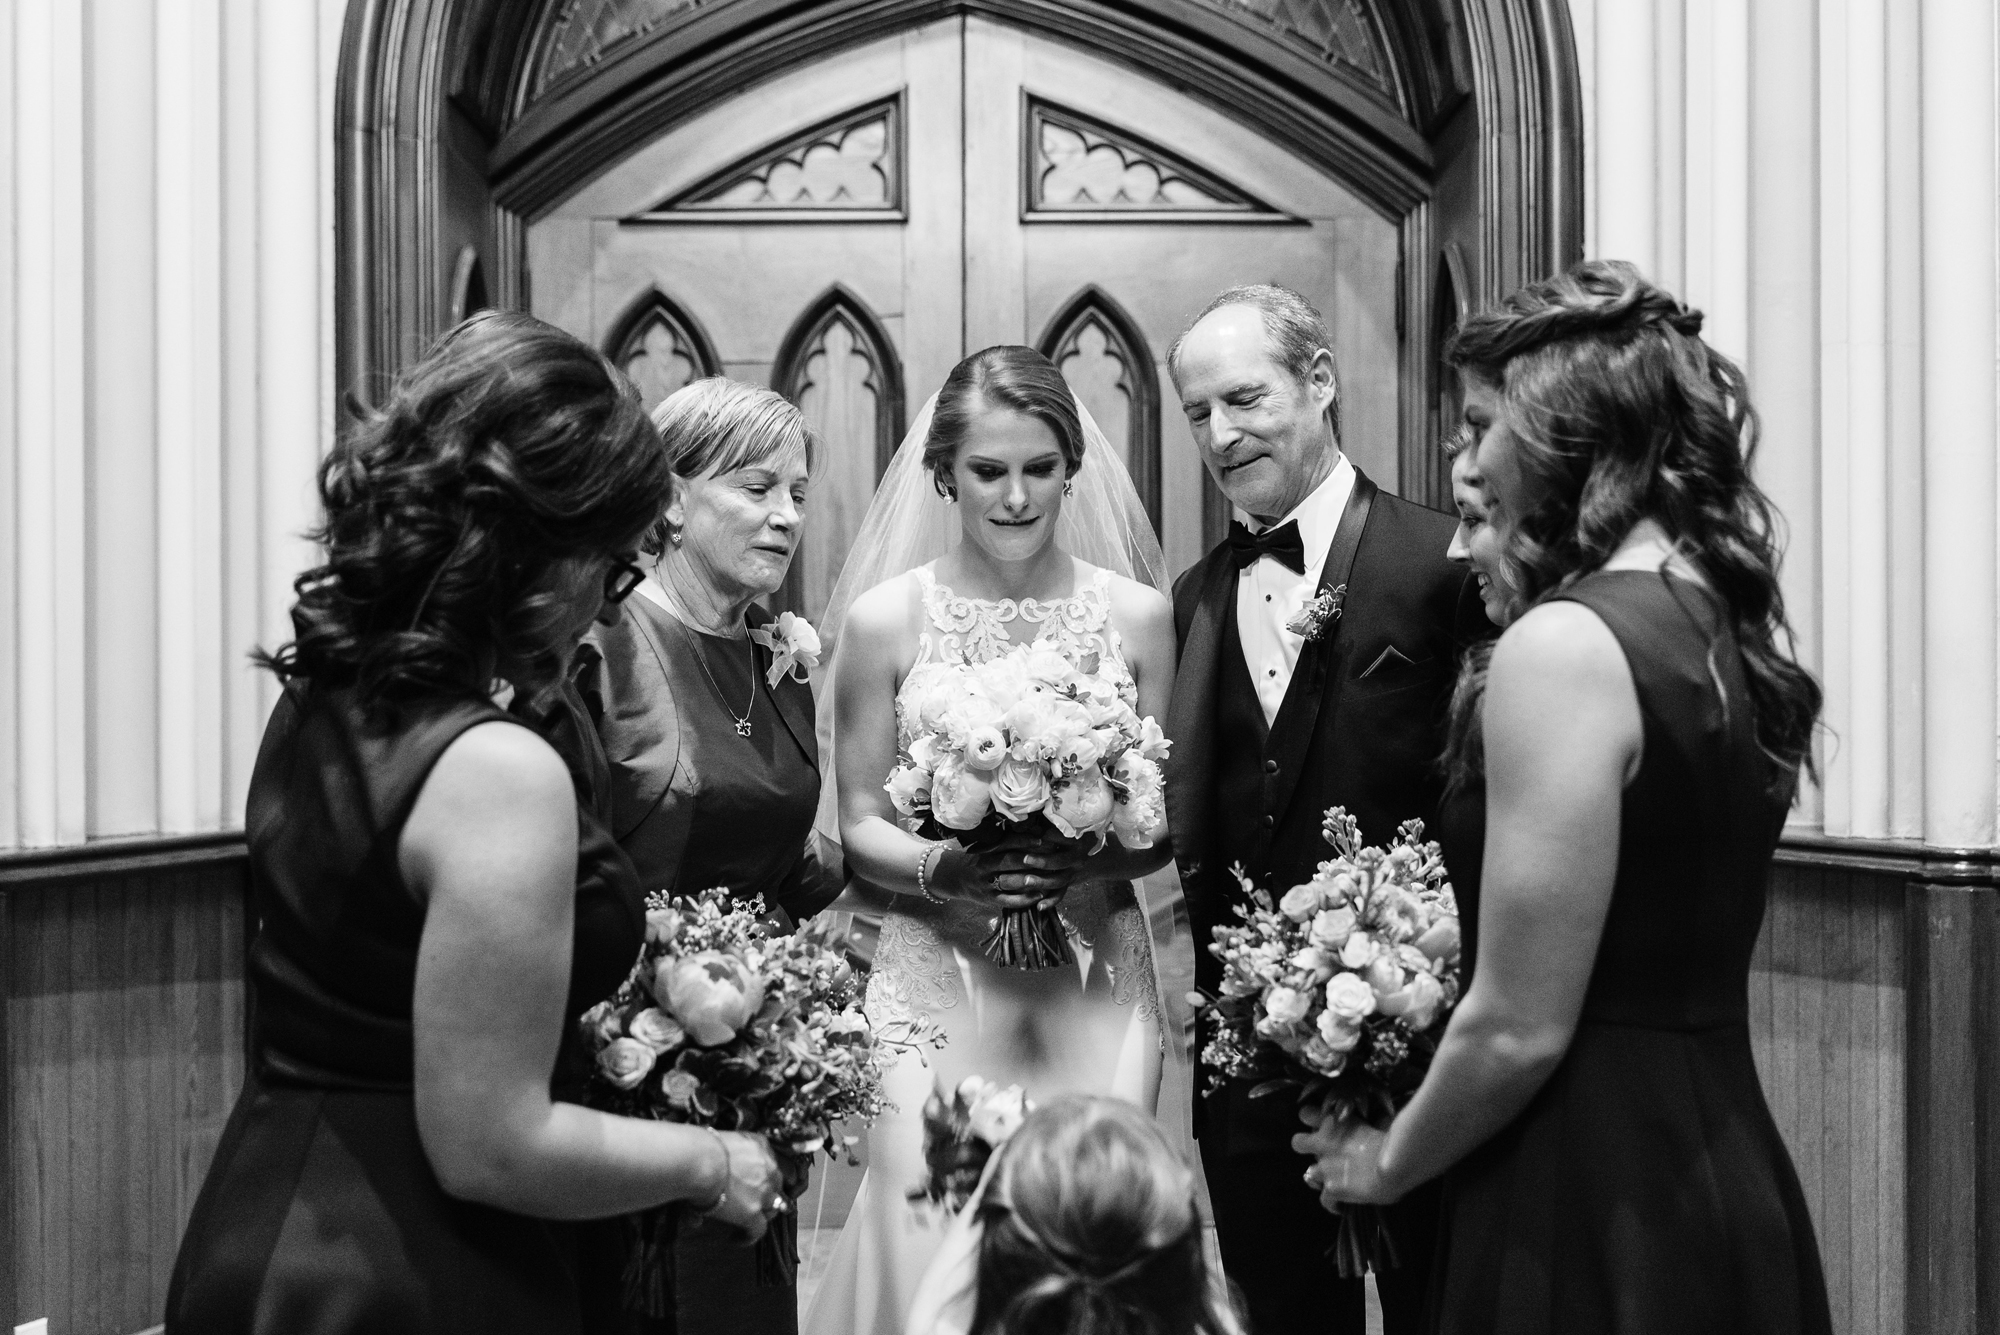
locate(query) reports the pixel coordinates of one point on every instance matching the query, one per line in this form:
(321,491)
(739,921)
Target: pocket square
(1388,658)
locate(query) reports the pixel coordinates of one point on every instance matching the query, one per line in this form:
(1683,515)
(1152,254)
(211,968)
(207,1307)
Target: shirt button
(1270,821)
(1270,672)
(1267,597)
(1270,767)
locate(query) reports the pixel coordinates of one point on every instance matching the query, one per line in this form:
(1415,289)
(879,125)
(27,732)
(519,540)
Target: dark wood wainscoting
(124,1030)
(1875,1012)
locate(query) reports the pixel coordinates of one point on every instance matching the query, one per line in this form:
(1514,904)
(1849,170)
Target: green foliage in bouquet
(961,1134)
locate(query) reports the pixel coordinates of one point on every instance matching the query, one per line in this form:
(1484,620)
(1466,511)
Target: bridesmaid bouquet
(1340,990)
(961,1135)
(1033,738)
(725,1023)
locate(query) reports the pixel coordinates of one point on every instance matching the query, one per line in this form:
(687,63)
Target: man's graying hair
(1297,333)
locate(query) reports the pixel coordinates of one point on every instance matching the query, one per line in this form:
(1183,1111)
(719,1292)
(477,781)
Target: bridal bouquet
(727,1024)
(1031,738)
(1340,990)
(962,1133)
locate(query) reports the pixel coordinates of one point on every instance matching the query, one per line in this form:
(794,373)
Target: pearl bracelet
(923,863)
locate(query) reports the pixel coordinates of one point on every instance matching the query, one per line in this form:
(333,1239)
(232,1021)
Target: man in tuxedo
(1270,728)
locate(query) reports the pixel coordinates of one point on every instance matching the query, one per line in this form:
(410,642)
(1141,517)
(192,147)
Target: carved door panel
(847,231)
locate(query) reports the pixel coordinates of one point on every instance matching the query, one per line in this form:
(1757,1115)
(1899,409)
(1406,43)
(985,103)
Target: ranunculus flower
(1286,1005)
(1441,942)
(1331,927)
(1338,1033)
(680,1088)
(960,797)
(713,995)
(998,1114)
(657,1030)
(625,1062)
(1082,805)
(1020,788)
(909,788)
(1416,1002)
(985,748)
(1301,902)
(1349,998)
(662,926)
(1358,951)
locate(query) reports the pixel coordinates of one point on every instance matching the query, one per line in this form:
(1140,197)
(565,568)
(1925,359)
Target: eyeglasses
(621,579)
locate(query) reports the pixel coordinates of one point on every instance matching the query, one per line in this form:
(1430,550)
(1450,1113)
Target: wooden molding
(37,868)
(1911,859)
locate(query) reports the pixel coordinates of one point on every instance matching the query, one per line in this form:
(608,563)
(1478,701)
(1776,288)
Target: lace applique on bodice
(961,629)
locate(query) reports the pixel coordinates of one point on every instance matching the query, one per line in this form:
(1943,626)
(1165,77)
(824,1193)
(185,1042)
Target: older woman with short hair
(709,731)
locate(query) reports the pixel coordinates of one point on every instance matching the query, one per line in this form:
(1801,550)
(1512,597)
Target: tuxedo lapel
(1191,712)
(1312,681)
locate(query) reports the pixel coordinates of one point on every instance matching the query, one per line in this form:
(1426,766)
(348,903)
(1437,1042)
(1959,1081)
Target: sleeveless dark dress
(1645,1190)
(320,1214)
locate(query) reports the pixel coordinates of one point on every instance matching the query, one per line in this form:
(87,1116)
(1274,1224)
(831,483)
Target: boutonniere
(794,647)
(1317,615)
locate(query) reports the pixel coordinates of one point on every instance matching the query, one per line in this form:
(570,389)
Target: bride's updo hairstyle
(509,449)
(1009,377)
(1620,412)
(1089,1227)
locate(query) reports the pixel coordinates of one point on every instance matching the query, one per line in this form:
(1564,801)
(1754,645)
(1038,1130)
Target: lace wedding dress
(1093,1027)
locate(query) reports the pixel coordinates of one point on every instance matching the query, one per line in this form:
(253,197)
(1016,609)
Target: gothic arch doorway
(464,123)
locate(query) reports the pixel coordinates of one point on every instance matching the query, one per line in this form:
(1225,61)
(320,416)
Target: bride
(1005,519)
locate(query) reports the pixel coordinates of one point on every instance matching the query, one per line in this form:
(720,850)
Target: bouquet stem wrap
(1028,939)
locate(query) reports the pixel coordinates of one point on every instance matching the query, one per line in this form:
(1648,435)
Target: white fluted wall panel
(165,280)
(1818,176)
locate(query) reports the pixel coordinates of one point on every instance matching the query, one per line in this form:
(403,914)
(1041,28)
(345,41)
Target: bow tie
(1282,544)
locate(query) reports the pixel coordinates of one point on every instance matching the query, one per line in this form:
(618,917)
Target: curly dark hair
(510,448)
(1622,413)
(1011,377)
(1089,1227)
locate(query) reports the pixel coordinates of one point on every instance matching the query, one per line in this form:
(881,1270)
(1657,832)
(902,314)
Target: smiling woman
(713,764)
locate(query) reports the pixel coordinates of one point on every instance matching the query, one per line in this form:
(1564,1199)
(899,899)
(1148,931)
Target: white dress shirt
(1268,594)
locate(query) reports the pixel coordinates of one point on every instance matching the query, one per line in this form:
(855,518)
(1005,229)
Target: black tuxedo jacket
(1362,724)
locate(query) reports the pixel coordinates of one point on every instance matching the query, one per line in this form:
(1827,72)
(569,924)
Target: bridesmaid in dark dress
(435,907)
(714,766)
(1611,1165)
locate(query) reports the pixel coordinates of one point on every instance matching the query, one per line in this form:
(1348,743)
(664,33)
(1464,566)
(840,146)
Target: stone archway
(460,121)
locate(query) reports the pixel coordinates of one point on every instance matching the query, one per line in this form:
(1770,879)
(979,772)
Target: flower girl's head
(1089,1227)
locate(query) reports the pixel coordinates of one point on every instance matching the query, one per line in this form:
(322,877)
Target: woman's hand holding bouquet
(1030,761)
(1339,990)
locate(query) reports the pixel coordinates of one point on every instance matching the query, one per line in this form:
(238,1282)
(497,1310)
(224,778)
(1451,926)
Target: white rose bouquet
(1340,990)
(724,1023)
(961,1133)
(1032,737)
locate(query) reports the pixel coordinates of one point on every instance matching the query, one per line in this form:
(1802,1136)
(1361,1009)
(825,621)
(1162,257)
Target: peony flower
(657,1030)
(713,995)
(662,926)
(1286,1005)
(625,1062)
(909,788)
(1078,752)
(927,751)
(998,1114)
(1046,664)
(1082,805)
(1020,788)
(1331,927)
(1349,998)
(1301,902)
(985,748)
(960,797)
(1416,1002)
(1004,680)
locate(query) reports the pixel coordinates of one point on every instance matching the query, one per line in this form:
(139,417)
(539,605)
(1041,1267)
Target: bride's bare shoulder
(887,612)
(1132,603)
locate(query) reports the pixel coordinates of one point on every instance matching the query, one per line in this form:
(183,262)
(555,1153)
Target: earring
(1069,488)
(951,495)
(675,536)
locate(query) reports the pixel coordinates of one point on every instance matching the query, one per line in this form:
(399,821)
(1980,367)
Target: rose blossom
(680,1088)
(1416,1002)
(1286,1005)
(1384,975)
(1331,927)
(1441,941)
(1020,789)
(1300,903)
(1349,998)
(1313,960)
(625,1062)
(960,797)
(1358,950)
(1339,1034)
(657,1030)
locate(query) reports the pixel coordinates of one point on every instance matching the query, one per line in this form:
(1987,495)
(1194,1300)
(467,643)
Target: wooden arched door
(848,231)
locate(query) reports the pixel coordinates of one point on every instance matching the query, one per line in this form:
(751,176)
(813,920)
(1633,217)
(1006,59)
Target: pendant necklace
(742,721)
